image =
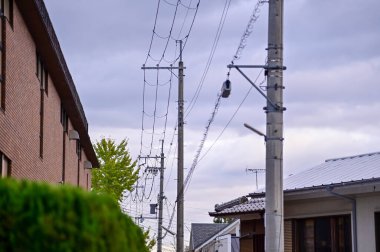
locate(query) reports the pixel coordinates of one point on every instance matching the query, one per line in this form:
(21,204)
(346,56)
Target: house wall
(252,234)
(223,243)
(366,204)
(366,208)
(316,207)
(20,120)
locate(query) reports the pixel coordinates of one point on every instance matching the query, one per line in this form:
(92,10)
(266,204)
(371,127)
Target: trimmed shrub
(42,217)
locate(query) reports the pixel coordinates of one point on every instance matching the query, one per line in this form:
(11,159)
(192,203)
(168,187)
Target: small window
(7,10)
(5,166)
(79,150)
(377,231)
(1,95)
(41,73)
(64,118)
(42,113)
(2,60)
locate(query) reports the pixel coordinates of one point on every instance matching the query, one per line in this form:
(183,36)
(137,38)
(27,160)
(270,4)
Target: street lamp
(254,130)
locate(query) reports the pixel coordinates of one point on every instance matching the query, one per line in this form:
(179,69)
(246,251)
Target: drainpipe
(354,223)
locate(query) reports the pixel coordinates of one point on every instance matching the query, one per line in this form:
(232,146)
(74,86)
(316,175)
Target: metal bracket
(274,138)
(275,106)
(276,86)
(266,67)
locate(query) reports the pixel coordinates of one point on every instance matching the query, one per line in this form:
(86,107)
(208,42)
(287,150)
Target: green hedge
(41,217)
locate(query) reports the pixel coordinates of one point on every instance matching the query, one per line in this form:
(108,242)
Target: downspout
(354,223)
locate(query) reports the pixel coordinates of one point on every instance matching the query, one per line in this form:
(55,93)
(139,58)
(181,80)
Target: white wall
(223,243)
(366,208)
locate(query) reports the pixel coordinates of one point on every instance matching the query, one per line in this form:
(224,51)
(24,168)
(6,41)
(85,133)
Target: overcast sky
(332,55)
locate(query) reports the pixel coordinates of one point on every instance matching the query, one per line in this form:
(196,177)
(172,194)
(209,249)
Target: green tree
(148,241)
(223,220)
(117,171)
(116,174)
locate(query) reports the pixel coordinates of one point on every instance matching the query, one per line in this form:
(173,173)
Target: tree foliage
(225,220)
(149,242)
(117,171)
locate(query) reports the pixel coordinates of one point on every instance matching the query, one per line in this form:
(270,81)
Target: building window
(5,166)
(323,234)
(41,73)
(42,76)
(377,231)
(2,60)
(64,119)
(7,10)
(42,112)
(79,150)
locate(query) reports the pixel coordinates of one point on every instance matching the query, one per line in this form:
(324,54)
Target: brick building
(43,128)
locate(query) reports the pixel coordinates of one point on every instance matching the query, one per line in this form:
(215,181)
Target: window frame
(42,73)
(6,8)
(64,119)
(2,59)
(377,230)
(5,159)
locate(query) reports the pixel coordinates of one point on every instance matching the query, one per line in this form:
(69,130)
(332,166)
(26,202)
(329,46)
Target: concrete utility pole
(180,186)
(274,222)
(161,200)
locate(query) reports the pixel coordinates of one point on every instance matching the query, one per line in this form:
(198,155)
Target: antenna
(255,171)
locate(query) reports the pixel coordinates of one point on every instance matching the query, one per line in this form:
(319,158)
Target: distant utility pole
(180,185)
(274,200)
(161,200)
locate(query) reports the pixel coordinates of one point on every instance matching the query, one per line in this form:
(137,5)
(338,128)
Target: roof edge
(37,9)
(354,156)
(216,234)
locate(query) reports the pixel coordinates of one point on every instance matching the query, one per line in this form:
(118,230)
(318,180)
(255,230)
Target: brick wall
(20,121)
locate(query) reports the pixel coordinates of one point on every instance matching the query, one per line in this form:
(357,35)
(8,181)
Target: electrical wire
(210,58)
(232,117)
(200,147)
(153,33)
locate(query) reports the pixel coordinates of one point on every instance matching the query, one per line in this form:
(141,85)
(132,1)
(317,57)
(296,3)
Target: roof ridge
(354,156)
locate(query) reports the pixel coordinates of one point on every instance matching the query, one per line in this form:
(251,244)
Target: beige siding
(288,236)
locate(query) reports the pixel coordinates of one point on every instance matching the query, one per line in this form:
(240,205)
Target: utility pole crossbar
(158,67)
(258,66)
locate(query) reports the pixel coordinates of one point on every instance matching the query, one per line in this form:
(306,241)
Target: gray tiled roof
(201,232)
(253,205)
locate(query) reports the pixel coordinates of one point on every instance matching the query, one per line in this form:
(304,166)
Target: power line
(232,117)
(248,30)
(153,33)
(210,57)
(200,147)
